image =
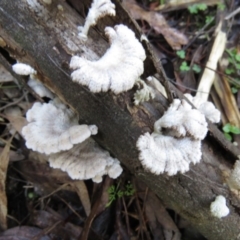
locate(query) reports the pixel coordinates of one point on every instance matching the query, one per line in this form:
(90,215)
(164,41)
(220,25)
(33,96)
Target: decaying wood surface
(45,36)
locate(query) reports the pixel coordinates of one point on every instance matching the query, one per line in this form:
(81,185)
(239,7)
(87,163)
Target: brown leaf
(17,122)
(4,159)
(50,219)
(82,192)
(174,38)
(5,76)
(162,216)
(23,233)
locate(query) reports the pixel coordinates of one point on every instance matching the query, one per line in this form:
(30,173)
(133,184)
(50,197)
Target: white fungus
(159,153)
(86,161)
(205,107)
(183,121)
(53,127)
(39,88)
(162,153)
(47,1)
(23,69)
(144,94)
(118,69)
(219,208)
(234,179)
(99,9)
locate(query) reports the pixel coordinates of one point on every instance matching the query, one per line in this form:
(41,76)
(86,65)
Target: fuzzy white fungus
(86,161)
(172,153)
(53,127)
(206,107)
(99,9)
(144,94)
(118,69)
(39,88)
(219,208)
(23,69)
(183,120)
(159,153)
(234,179)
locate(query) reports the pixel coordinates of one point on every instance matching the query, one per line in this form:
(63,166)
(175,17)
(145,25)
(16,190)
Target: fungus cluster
(53,129)
(176,140)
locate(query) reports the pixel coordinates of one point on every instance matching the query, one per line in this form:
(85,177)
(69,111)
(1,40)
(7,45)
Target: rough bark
(44,36)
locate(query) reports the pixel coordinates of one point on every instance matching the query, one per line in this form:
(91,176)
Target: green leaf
(230,52)
(111,189)
(228,136)
(226,128)
(181,54)
(229,128)
(184,67)
(221,6)
(193,9)
(235,130)
(202,6)
(229,71)
(237,66)
(234,90)
(196,68)
(237,57)
(209,19)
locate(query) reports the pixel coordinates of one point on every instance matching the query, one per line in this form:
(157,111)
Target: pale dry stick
(232,14)
(209,75)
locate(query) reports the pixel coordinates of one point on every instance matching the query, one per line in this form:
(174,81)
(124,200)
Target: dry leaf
(82,192)
(51,219)
(5,76)
(23,233)
(174,38)
(17,122)
(4,159)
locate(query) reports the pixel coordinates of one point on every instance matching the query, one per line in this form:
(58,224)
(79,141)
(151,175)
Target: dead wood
(45,36)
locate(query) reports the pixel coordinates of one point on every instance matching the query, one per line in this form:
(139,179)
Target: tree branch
(45,37)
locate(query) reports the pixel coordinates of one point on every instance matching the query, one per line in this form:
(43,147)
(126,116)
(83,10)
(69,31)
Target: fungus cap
(52,129)
(183,121)
(39,88)
(207,108)
(23,69)
(159,153)
(86,161)
(219,208)
(117,69)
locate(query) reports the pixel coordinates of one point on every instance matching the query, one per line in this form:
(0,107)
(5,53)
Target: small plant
(209,19)
(184,67)
(181,54)
(114,192)
(221,6)
(233,67)
(196,68)
(193,9)
(229,129)
(234,61)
